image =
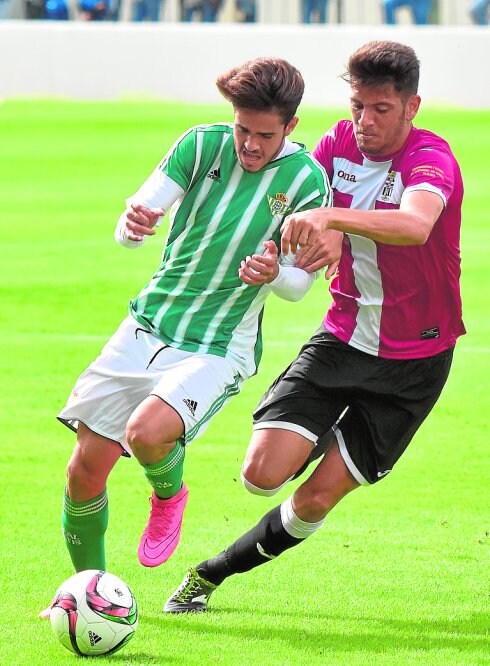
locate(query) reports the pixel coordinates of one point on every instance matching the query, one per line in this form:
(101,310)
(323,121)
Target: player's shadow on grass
(375,634)
(144,658)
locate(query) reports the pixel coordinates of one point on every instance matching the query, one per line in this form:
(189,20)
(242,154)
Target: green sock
(84,526)
(166,476)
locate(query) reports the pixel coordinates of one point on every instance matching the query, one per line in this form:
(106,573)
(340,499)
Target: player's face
(259,136)
(382,118)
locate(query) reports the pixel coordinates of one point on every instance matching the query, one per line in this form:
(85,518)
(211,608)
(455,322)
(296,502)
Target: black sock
(262,543)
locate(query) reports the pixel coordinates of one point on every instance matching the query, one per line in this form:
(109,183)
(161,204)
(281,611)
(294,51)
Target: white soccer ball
(94,613)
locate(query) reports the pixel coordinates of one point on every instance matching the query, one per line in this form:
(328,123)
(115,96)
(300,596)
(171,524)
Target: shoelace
(188,588)
(160,519)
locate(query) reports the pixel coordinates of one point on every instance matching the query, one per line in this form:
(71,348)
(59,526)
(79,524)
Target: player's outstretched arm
(411,224)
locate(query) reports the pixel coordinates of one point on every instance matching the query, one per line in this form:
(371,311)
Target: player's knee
(139,436)
(258,486)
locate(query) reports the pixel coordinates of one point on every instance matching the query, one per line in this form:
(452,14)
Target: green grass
(399,573)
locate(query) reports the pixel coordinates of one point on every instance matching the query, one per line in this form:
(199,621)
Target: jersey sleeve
(324,150)
(292,283)
(316,191)
(166,184)
(158,191)
(431,170)
(172,176)
(179,163)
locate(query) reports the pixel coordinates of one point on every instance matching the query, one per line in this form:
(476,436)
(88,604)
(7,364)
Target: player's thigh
(298,406)
(92,460)
(116,382)
(154,422)
(382,420)
(197,387)
(274,455)
(312,393)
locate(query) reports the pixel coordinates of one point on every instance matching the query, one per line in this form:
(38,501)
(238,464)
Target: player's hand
(260,268)
(140,221)
(302,229)
(326,252)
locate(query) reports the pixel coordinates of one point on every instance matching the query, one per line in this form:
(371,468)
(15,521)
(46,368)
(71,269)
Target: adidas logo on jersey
(215,174)
(94,638)
(192,405)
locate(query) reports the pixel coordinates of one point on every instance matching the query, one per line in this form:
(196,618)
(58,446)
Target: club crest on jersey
(278,204)
(388,187)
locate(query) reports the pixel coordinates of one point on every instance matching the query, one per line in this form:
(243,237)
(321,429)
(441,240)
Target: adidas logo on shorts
(192,405)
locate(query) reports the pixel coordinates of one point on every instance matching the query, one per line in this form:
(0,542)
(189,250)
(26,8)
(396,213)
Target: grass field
(398,575)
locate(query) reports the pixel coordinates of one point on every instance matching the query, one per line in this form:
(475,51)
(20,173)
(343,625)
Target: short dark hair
(384,62)
(264,84)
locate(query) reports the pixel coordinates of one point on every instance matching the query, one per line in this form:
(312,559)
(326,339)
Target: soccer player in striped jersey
(193,333)
(368,378)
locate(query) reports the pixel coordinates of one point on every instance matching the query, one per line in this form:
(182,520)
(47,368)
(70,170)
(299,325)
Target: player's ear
(291,125)
(412,107)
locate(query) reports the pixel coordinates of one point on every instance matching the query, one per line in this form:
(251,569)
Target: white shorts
(135,364)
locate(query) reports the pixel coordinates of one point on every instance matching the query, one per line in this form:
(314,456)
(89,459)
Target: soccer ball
(94,613)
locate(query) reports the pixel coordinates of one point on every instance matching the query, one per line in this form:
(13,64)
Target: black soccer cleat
(192,596)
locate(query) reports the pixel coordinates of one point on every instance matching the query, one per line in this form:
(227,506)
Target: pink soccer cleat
(162,533)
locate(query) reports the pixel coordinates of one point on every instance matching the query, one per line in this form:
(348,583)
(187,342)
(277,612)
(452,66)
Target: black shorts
(374,405)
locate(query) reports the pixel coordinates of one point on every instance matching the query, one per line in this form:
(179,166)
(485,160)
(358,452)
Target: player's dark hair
(384,62)
(264,84)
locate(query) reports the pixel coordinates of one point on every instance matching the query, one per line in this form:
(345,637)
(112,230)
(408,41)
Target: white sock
(293,525)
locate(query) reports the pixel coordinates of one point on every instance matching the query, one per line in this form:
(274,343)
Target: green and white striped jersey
(196,301)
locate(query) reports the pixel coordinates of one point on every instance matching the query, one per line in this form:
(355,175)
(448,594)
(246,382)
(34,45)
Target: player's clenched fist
(260,268)
(140,221)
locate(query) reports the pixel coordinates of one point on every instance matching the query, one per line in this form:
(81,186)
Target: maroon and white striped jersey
(395,301)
